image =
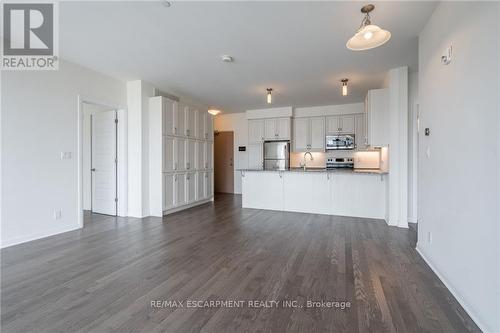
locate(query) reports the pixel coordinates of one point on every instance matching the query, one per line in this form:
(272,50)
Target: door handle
(93,169)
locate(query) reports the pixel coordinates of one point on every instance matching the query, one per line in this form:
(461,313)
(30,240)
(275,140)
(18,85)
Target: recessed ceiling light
(227,58)
(368,35)
(166,3)
(214,112)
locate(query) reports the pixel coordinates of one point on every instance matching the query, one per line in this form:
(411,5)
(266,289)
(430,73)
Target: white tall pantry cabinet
(181,156)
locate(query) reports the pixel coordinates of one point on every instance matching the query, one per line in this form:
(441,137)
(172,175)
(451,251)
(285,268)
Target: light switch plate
(65,155)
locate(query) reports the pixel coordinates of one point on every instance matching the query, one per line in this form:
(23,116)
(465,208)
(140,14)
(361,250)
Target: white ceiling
(297,48)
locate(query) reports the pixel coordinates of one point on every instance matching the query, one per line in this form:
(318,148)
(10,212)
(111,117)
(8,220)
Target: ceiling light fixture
(269,95)
(166,3)
(214,112)
(227,58)
(368,35)
(344,86)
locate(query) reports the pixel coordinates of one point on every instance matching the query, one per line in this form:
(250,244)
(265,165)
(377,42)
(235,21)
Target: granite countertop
(312,170)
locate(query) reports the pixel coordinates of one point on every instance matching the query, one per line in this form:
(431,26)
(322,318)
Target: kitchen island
(344,192)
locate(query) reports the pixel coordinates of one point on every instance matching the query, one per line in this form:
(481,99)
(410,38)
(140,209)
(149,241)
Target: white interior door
(104,162)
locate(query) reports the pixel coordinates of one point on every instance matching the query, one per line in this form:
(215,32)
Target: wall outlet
(429,237)
(57,214)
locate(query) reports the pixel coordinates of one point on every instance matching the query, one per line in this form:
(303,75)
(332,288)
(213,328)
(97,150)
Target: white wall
(40,120)
(412,146)
(459,183)
(236,122)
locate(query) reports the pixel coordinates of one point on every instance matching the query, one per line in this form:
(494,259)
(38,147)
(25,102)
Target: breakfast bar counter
(343,192)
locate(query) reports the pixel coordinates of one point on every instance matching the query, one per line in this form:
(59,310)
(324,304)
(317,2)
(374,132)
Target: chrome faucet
(305,161)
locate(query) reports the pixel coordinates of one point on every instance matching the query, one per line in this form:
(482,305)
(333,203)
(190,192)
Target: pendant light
(344,86)
(269,96)
(368,35)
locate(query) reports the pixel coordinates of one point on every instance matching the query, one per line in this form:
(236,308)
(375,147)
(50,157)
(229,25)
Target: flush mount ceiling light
(269,95)
(227,58)
(344,86)
(369,35)
(214,112)
(166,3)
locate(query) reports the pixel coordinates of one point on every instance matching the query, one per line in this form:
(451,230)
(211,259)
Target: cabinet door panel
(190,155)
(255,156)
(180,164)
(332,124)
(209,188)
(180,119)
(209,161)
(190,187)
(347,124)
(255,131)
(190,122)
(317,133)
(360,133)
(168,114)
(283,128)
(301,134)
(200,185)
(200,124)
(200,158)
(169,154)
(168,191)
(270,132)
(180,193)
(209,127)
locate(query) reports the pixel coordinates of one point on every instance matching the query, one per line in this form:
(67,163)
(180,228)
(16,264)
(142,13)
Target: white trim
(453,291)
(122,165)
(191,205)
(37,235)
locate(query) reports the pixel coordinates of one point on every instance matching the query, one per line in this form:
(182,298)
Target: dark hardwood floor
(104,277)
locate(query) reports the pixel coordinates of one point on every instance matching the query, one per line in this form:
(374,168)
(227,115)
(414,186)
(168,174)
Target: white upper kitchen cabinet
(209,127)
(255,156)
(347,124)
(309,134)
(180,119)
(277,129)
(342,124)
(255,131)
(200,124)
(317,130)
(190,122)
(360,133)
(301,134)
(169,110)
(377,117)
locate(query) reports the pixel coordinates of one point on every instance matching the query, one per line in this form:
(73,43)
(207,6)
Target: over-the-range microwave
(340,142)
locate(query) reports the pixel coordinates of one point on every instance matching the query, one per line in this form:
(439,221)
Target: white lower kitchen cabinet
(306,192)
(359,195)
(180,189)
(209,184)
(200,185)
(169,192)
(263,190)
(332,193)
(190,187)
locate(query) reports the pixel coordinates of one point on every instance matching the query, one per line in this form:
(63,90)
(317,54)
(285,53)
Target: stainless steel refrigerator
(276,155)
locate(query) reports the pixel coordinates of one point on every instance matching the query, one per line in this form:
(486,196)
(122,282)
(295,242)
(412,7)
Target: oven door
(340,142)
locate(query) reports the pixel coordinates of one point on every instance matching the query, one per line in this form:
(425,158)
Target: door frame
(121,169)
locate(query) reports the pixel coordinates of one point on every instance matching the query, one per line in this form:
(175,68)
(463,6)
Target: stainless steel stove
(339,162)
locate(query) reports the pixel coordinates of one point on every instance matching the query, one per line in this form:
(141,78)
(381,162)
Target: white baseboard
(455,293)
(37,235)
(194,204)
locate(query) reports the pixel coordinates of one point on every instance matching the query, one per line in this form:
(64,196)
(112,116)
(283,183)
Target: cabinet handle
(175,178)
(175,130)
(187,166)
(175,166)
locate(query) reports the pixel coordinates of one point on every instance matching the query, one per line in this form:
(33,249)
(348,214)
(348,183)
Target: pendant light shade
(369,35)
(344,86)
(269,95)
